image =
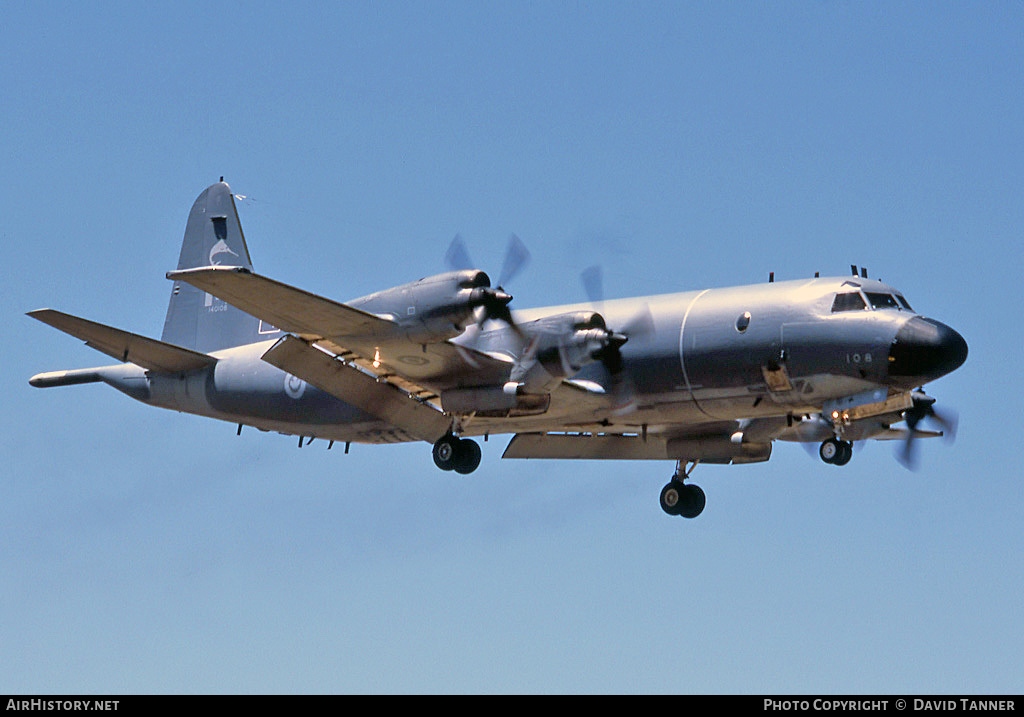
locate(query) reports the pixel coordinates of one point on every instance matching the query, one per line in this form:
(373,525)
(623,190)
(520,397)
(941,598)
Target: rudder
(213,237)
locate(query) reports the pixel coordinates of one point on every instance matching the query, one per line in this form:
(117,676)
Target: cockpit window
(882,301)
(903,302)
(850,301)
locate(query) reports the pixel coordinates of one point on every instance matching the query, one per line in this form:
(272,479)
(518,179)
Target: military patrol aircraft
(711,376)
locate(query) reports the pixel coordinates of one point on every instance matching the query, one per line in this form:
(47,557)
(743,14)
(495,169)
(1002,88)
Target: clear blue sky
(681,145)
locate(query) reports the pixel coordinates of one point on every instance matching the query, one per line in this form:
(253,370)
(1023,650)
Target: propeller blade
(494,301)
(517,256)
(948,420)
(907,454)
(640,324)
(593,284)
(457,257)
(924,409)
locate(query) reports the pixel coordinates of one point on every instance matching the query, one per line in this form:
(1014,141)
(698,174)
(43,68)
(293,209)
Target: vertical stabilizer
(213,237)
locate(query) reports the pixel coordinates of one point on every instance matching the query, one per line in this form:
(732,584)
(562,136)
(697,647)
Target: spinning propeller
(922,410)
(610,355)
(493,301)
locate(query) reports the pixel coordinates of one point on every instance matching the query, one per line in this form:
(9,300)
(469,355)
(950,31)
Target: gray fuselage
(762,350)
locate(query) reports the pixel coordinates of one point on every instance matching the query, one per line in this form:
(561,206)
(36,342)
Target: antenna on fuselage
(863,273)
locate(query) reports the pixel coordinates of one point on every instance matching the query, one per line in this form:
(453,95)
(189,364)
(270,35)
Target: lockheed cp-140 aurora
(711,376)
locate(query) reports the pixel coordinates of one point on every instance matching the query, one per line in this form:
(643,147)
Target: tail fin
(213,237)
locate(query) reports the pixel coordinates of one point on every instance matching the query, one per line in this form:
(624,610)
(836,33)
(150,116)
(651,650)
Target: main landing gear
(452,453)
(836,452)
(679,498)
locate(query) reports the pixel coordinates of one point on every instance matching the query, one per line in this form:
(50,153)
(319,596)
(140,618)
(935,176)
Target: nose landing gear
(682,499)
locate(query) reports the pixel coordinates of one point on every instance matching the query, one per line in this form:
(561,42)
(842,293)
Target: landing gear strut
(679,498)
(452,453)
(836,452)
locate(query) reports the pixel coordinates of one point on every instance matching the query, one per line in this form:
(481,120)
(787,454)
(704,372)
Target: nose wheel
(683,499)
(452,453)
(836,452)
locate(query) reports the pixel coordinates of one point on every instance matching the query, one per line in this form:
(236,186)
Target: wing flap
(368,393)
(125,346)
(568,446)
(712,449)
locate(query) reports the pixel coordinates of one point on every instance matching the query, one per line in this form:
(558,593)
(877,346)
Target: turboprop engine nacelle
(438,307)
(559,346)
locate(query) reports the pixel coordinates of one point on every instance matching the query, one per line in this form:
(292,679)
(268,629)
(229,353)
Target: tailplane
(157,356)
(213,237)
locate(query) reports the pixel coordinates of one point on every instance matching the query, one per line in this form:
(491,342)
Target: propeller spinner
(922,410)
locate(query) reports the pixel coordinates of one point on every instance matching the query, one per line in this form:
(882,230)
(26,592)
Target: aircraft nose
(925,349)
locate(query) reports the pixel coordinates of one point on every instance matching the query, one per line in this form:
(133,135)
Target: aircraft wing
(377,345)
(290,309)
(124,346)
(710,447)
(416,417)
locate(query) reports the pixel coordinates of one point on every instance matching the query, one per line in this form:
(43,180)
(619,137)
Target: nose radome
(925,349)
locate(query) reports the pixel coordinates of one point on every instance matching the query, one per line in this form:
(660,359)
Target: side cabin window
(849,301)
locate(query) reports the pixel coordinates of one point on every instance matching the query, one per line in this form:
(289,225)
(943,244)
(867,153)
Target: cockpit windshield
(849,301)
(882,301)
(854,301)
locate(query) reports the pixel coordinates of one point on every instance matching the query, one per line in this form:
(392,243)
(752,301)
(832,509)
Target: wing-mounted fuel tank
(440,307)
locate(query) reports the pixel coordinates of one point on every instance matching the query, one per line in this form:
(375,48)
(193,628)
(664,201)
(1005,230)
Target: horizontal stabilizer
(124,346)
(378,398)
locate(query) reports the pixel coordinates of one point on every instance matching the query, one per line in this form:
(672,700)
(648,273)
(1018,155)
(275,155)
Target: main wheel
(845,453)
(830,450)
(672,497)
(693,501)
(467,456)
(445,452)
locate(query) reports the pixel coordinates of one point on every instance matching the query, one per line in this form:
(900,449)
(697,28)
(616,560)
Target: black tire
(467,456)
(445,452)
(672,497)
(693,501)
(845,453)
